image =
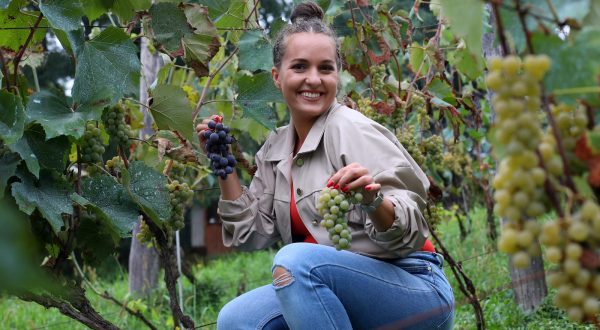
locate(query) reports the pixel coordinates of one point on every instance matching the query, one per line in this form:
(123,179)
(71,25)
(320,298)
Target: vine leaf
(255,52)
(148,189)
(59,118)
(38,153)
(63,14)
(254,94)
(109,200)
(109,62)
(12,117)
(568,57)
(168,26)
(418,62)
(8,167)
(468,27)
(50,195)
(12,36)
(171,110)
(202,45)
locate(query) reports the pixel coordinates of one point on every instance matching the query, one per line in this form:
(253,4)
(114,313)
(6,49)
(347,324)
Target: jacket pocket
(265,202)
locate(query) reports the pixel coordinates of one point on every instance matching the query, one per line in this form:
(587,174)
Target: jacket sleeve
(371,145)
(249,221)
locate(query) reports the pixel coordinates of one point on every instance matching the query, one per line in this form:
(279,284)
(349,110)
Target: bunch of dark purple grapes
(218,140)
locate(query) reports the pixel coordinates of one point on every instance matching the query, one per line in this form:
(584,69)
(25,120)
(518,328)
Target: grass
(223,278)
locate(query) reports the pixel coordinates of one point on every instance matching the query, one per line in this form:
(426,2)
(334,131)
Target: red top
(299,229)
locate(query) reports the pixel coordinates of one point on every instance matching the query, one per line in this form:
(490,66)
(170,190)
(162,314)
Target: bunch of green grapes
(391,121)
(180,194)
(577,282)
(91,145)
(433,147)
(519,182)
(571,123)
(378,73)
(144,236)
(423,117)
(116,127)
(457,161)
(407,138)
(333,205)
(115,165)
(177,171)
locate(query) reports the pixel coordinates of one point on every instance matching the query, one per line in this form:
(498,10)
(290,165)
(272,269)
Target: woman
(391,275)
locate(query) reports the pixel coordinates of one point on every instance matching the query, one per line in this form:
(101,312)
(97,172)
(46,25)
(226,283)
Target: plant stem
(209,82)
(498,18)
(19,55)
(522,19)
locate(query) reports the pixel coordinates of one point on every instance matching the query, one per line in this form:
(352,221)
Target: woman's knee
(229,316)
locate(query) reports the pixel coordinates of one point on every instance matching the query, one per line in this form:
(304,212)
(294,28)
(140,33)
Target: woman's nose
(312,77)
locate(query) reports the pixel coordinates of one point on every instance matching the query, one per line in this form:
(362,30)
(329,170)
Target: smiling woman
(400,276)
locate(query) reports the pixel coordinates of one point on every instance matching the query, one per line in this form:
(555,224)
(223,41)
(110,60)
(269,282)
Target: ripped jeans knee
(281,277)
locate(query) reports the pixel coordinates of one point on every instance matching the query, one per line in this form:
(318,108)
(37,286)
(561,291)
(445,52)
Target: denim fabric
(331,289)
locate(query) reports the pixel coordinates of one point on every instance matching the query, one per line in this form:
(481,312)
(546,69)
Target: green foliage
(254,94)
(172,111)
(469,27)
(147,188)
(12,117)
(58,118)
(49,195)
(106,64)
(255,52)
(103,196)
(63,14)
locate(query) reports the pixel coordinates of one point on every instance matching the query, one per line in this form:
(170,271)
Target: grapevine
(333,205)
(519,182)
(218,141)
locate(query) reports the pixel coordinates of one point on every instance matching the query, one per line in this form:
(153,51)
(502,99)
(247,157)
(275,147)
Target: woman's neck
(301,128)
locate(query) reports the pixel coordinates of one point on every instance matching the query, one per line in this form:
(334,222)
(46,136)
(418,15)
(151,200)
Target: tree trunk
(143,261)
(529,284)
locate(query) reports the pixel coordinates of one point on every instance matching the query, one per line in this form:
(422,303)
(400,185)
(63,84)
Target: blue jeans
(329,289)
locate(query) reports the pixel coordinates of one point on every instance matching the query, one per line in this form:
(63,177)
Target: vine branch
(19,55)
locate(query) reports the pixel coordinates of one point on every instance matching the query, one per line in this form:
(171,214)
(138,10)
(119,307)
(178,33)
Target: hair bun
(307,11)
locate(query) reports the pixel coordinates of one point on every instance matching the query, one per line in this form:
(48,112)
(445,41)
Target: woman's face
(308,75)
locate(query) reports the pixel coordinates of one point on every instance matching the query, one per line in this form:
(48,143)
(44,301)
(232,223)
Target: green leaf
(171,110)
(93,9)
(63,14)
(467,63)
(12,117)
(575,62)
(148,189)
(218,8)
(233,17)
(37,152)
(583,186)
(12,21)
(440,89)
(202,45)
(50,195)
(8,166)
(96,242)
(169,25)
(465,18)
(417,60)
(126,9)
(106,64)
(255,52)
(254,92)
(110,201)
(58,118)
(594,141)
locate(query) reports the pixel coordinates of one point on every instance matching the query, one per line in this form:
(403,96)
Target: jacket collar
(285,146)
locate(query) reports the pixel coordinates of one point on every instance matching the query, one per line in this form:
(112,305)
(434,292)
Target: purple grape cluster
(218,140)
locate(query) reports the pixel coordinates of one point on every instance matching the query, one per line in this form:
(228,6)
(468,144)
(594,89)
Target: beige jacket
(341,136)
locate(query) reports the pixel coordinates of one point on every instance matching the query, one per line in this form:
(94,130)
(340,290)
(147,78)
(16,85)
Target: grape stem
(522,15)
(122,155)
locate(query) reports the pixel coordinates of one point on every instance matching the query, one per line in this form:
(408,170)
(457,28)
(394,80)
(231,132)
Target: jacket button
(299,162)
(299,191)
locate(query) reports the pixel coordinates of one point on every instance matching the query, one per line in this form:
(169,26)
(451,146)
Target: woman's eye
(299,66)
(327,68)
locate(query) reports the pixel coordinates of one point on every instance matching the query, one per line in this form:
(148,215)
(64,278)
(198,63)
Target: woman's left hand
(355,177)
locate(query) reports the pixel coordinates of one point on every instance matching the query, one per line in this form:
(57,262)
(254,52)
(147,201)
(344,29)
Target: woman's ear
(275,75)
